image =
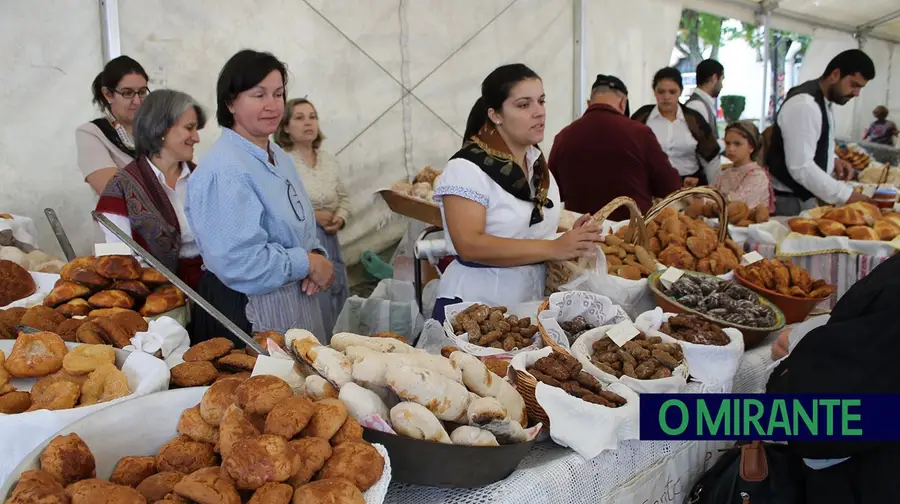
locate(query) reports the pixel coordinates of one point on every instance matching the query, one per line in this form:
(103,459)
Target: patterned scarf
(489,151)
(116,134)
(136,193)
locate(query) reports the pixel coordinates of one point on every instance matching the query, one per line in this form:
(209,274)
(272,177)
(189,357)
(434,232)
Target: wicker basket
(682,194)
(525,385)
(548,341)
(561,272)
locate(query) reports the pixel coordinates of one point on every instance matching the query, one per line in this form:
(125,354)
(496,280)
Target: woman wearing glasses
(250,213)
(106,144)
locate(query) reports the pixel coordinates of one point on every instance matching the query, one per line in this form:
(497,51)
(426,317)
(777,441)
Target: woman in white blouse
(500,203)
(299,135)
(146,198)
(683,133)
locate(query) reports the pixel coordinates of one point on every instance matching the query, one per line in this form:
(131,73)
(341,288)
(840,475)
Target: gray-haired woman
(146,198)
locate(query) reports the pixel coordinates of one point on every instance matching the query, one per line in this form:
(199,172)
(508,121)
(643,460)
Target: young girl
(745,180)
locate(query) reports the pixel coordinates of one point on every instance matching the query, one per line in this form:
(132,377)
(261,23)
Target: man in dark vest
(801,154)
(710,74)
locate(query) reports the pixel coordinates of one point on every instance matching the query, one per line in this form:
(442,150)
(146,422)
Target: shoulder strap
(110,133)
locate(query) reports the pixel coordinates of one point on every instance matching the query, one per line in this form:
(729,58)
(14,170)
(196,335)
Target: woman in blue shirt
(252,218)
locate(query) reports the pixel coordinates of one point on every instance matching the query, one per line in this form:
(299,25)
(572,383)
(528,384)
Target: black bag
(752,473)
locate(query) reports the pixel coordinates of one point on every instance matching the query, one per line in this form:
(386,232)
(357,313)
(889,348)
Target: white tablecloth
(639,472)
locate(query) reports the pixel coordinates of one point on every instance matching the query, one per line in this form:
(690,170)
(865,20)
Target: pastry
(886,229)
(445,398)
(487,413)
(90,333)
(258,460)
(94,491)
(36,354)
(272,493)
(329,416)
(208,350)
(208,485)
(237,362)
(472,436)
(105,383)
(289,417)
(113,333)
(83,359)
(383,344)
(57,395)
(164,299)
(486,384)
(65,291)
(318,388)
(848,216)
(737,211)
(677,256)
(68,459)
(134,288)
(235,425)
(158,485)
(150,276)
(38,487)
(803,225)
(185,456)
(9,319)
(263,337)
(362,403)
(862,233)
(192,425)
(68,330)
(259,394)
(217,398)
(131,471)
(131,321)
(312,453)
(75,307)
(350,431)
(4,375)
(17,401)
(111,299)
(42,317)
(15,282)
(332,491)
(417,422)
(106,312)
(193,374)
(358,461)
(81,270)
(118,267)
(868,209)
(831,228)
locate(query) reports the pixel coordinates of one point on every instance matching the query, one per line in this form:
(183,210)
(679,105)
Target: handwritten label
(105,249)
(670,277)
(280,367)
(751,258)
(622,332)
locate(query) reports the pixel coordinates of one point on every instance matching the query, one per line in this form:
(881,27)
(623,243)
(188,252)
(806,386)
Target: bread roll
(862,233)
(319,388)
(868,209)
(893,217)
(362,403)
(357,353)
(415,421)
(373,367)
(803,225)
(483,382)
(487,413)
(343,340)
(118,267)
(887,230)
(331,364)
(831,228)
(444,397)
(848,216)
(473,436)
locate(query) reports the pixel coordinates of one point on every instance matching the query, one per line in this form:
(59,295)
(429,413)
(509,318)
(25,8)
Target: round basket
(795,309)
(752,335)
(548,341)
(560,273)
(525,385)
(689,192)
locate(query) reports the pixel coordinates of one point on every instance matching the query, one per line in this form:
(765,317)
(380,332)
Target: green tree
(697,33)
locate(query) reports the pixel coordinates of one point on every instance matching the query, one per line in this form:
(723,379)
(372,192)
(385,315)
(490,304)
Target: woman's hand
(337,223)
(584,220)
(579,242)
(324,218)
(691,181)
(321,273)
(782,345)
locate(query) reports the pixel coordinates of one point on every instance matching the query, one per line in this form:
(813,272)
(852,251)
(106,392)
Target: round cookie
(259,394)
(208,350)
(193,374)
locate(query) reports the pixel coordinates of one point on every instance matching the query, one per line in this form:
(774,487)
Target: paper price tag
(869,191)
(105,249)
(670,277)
(751,258)
(622,332)
(280,367)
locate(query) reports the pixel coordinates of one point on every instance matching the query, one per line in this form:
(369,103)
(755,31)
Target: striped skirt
(331,302)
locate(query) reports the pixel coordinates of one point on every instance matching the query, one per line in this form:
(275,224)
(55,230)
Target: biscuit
(68,330)
(36,354)
(62,374)
(105,383)
(131,321)
(350,431)
(193,374)
(334,490)
(209,485)
(98,491)
(258,460)
(330,415)
(208,350)
(90,333)
(259,394)
(42,318)
(234,426)
(185,456)
(192,425)
(236,362)
(38,487)
(65,291)
(217,398)
(57,395)
(272,493)
(262,338)
(357,461)
(77,307)
(68,459)
(289,417)
(164,299)
(313,453)
(111,299)
(113,333)
(156,486)
(83,359)
(14,402)
(131,471)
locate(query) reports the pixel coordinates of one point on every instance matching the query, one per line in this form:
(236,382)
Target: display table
(639,472)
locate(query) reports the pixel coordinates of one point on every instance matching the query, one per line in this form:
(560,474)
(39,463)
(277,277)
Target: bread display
(721,300)
(854,154)
(689,244)
(15,283)
(491,327)
(693,329)
(422,186)
(208,464)
(641,358)
(564,372)
(739,214)
(785,278)
(625,260)
(857,221)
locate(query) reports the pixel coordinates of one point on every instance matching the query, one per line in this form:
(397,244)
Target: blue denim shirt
(253,220)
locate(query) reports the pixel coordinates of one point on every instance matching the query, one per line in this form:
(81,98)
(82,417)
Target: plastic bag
(433,338)
(391,307)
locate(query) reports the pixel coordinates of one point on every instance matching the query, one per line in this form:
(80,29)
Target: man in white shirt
(801,156)
(710,74)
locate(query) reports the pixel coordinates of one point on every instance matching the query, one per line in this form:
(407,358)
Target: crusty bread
(15,283)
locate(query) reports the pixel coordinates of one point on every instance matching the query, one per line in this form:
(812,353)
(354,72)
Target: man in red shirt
(605,154)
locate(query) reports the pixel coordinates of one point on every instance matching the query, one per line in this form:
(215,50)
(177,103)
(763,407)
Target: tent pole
(578,59)
(765,15)
(109,26)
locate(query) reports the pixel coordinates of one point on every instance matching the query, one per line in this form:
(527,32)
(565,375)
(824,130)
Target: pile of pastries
(641,358)
(66,378)
(564,372)
(15,282)
(575,328)
(722,300)
(216,359)
(490,327)
(739,214)
(422,186)
(857,221)
(36,260)
(101,327)
(785,278)
(248,440)
(386,382)
(694,329)
(625,260)
(112,283)
(855,155)
(689,244)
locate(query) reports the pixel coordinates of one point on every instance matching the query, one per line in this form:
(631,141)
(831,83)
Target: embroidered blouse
(323,183)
